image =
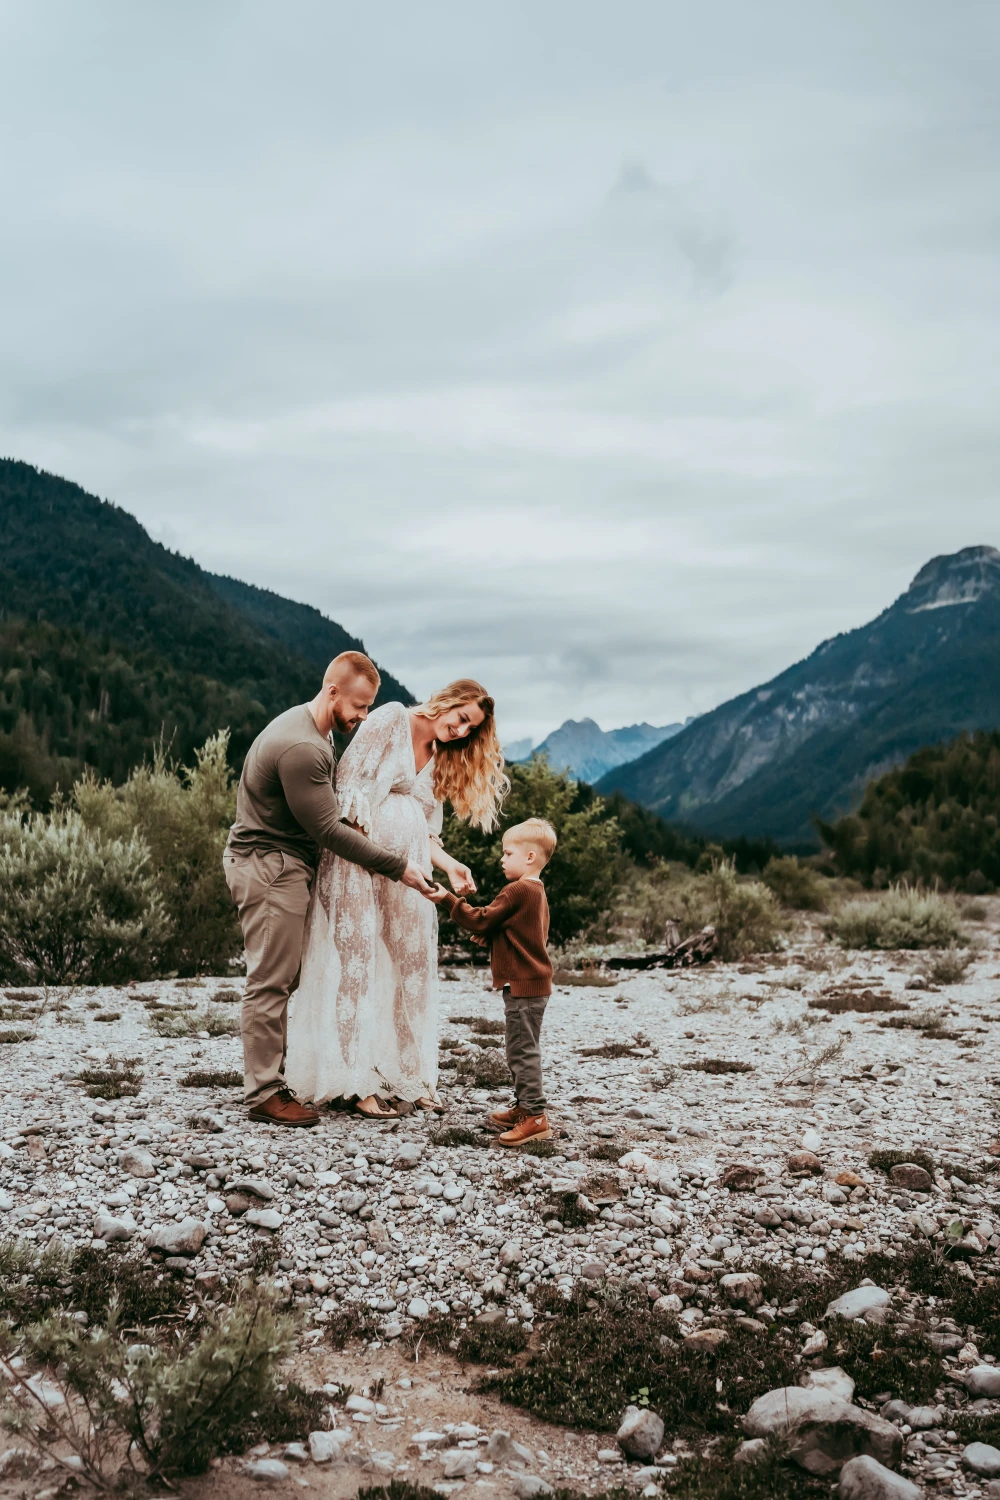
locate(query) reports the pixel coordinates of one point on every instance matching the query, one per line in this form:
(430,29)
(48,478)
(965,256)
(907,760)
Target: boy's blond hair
(535,831)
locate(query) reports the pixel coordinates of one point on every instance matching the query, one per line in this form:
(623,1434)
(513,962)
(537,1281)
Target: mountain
(588,751)
(806,743)
(109,641)
(518,750)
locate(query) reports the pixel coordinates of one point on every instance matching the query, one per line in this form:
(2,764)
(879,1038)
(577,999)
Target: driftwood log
(697,949)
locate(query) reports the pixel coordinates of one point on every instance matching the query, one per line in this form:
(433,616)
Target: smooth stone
(137,1162)
(743,1289)
(503,1449)
(858,1303)
(822,1431)
(864,1478)
(408,1155)
(270,1470)
(458,1463)
(811,1141)
(296,1453)
(255,1186)
(418,1308)
(325,1447)
(983,1459)
(264,1218)
(529,1486)
(706,1338)
(835,1381)
(593,1270)
(107,1227)
(983,1380)
(906,1174)
(640,1433)
(751,1449)
(359,1403)
(511,1254)
(185,1238)
(805,1164)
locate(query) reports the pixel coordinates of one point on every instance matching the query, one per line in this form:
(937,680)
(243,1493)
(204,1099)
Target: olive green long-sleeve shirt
(287,799)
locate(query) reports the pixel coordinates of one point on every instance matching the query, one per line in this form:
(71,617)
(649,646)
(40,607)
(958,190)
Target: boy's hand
(437,893)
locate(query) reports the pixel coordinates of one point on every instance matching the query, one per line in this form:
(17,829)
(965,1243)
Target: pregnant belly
(400,826)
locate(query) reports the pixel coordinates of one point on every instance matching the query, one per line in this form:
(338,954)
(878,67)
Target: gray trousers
(523,1019)
(271,891)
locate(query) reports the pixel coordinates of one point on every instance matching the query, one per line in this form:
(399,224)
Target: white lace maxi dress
(364,1018)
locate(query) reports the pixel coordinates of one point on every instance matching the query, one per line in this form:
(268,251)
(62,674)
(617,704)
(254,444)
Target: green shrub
(795,884)
(207,1080)
(485,1070)
(179,1403)
(950,966)
(121,1078)
(183,815)
(76,908)
(900,917)
(583,874)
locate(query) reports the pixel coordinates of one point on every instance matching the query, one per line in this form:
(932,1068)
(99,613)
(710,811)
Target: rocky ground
(410,1226)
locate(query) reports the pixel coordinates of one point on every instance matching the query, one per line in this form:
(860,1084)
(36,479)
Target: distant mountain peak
(955,578)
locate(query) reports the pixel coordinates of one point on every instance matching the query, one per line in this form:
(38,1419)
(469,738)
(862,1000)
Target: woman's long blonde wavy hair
(469,773)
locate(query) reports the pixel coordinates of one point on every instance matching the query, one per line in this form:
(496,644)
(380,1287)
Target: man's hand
(414,877)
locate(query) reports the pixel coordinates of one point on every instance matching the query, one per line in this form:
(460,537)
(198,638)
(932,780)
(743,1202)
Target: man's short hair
(535,831)
(362,665)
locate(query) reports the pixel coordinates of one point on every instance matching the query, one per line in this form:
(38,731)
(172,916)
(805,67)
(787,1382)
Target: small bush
(355,1320)
(455,1135)
(609,1049)
(485,1070)
(541,1149)
(10,1037)
(173,1022)
(108,1015)
(606,1151)
(744,913)
(36,1282)
(899,918)
(717,1065)
(590,1361)
(481,1025)
(209,1080)
(949,966)
(218,1023)
(795,885)
(231,997)
(884,1161)
(74,907)
(120,1079)
(866,1002)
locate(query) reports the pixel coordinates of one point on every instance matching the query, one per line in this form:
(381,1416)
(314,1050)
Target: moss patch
(884,1161)
(120,1079)
(717,1065)
(207,1080)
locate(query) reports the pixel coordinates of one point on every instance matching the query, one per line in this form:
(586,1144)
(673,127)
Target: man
(286,812)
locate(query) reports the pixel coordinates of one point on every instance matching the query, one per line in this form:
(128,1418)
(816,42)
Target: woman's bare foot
(374,1108)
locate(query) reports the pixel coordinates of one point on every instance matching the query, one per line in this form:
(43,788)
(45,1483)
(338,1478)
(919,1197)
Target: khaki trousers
(271,891)
(523,1022)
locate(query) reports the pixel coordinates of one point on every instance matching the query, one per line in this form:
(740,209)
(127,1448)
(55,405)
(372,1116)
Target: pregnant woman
(363,1023)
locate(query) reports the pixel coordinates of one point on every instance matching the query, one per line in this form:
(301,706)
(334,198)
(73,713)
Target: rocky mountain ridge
(806,743)
(588,752)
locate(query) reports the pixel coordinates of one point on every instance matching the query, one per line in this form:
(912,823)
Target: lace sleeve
(371,763)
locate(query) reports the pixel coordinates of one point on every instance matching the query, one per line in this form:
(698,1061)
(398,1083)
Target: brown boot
(283,1108)
(505,1118)
(528,1128)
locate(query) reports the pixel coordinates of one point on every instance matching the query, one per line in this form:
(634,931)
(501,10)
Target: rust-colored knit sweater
(517,925)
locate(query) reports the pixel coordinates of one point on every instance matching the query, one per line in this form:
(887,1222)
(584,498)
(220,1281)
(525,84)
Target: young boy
(516,925)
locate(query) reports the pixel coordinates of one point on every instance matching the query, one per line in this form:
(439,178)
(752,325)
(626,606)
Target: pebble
(270,1470)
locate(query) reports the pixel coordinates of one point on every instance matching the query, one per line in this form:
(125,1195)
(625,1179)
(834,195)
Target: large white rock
(325,1447)
(184,1238)
(983,1380)
(663,1217)
(865,1479)
(982,1459)
(822,1432)
(743,1289)
(107,1227)
(137,1162)
(835,1381)
(529,1486)
(269,1470)
(640,1433)
(861,1303)
(459,1463)
(503,1449)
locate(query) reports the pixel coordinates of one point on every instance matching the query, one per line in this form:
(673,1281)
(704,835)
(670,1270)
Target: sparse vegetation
(717,1065)
(481,1025)
(120,1078)
(885,1160)
(950,966)
(208,1080)
(901,917)
(485,1070)
(455,1135)
(865,1002)
(796,885)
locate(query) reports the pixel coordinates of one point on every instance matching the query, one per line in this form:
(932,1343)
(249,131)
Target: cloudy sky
(615,353)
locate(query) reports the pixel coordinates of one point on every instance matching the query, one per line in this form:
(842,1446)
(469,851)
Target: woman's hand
(459,875)
(461,879)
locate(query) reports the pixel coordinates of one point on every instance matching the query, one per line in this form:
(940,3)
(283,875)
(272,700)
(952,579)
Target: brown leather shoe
(283,1108)
(530,1128)
(505,1118)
